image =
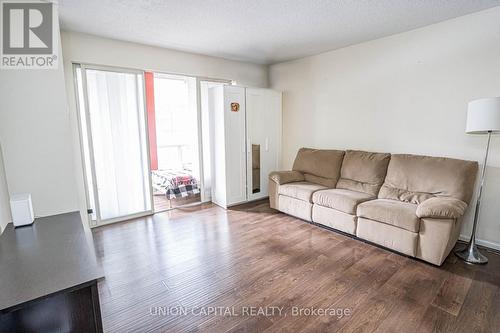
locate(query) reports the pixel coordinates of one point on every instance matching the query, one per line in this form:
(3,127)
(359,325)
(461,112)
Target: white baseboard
(4,227)
(491,245)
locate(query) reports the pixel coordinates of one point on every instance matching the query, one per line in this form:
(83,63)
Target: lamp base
(471,254)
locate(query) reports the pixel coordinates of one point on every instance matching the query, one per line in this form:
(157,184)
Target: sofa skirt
(389,236)
(334,219)
(295,207)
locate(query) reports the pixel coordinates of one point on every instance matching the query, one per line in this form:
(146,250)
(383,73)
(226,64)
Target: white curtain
(117,124)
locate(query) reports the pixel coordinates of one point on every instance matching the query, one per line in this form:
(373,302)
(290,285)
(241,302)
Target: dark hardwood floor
(203,259)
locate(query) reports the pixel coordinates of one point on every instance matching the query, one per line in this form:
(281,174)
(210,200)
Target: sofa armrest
(441,208)
(283,177)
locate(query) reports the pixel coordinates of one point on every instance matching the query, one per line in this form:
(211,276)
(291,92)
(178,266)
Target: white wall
(406,93)
(36,138)
(5,216)
(82,48)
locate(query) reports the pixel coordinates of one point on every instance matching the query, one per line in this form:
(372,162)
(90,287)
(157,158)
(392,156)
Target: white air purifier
(21,209)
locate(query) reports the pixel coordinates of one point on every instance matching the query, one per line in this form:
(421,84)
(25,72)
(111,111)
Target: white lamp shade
(483,115)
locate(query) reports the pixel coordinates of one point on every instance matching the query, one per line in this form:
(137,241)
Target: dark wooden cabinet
(48,278)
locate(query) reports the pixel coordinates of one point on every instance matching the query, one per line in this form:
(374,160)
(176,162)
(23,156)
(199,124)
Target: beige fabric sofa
(408,203)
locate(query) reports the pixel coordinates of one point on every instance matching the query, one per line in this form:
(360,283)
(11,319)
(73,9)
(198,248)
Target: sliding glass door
(114,143)
(176,177)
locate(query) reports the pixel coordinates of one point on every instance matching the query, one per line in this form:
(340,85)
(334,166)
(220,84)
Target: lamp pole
(471,253)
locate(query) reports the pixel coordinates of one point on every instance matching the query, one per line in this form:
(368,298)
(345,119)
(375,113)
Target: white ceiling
(259,31)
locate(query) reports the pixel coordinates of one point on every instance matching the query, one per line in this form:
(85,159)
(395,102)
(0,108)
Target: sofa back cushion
(320,166)
(413,178)
(363,171)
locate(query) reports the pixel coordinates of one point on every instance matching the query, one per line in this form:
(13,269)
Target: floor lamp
(483,117)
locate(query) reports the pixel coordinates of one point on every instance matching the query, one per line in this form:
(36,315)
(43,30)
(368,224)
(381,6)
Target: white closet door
(235,142)
(263,139)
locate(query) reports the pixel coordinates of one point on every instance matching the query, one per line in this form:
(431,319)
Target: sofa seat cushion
(340,199)
(396,213)
(300,190)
